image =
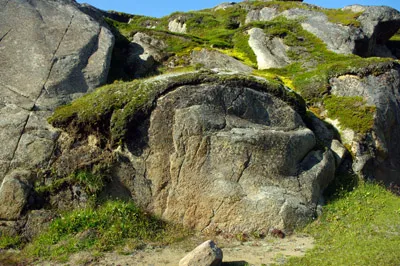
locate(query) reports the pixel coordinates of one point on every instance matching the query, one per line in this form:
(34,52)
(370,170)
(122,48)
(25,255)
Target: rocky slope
(243,147)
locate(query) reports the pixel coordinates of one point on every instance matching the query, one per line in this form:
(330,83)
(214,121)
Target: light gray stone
(377,155)
(177,25)
(144,53)
(270,52)
(51,53)
(215,60)
(14,192)
(206,254)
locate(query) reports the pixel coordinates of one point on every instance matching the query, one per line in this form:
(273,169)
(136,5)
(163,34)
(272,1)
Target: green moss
(114,109)
(352,112)
(344,17)
(359,228)
(100,229)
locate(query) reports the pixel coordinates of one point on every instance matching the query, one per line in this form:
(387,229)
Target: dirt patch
(236,253)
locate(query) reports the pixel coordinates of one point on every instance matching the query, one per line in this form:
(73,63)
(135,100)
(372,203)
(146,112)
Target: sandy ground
(256,252)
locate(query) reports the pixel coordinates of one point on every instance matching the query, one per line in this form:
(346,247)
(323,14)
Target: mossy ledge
(112,110)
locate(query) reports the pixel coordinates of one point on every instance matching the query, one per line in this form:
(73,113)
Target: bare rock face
(177,25)
(50,53)
(377,154)
(378,24)
(145,53)
(224,157)
(271,53)
(212,59)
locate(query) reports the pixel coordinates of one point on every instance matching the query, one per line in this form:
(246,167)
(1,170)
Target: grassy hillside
(359,228)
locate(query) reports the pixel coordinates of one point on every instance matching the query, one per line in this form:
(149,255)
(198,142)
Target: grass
(91,182)
(352,112)
(360,228)
(101,229)
(7,241)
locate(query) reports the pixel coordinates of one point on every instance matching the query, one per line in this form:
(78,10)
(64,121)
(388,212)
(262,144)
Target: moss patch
(352,112)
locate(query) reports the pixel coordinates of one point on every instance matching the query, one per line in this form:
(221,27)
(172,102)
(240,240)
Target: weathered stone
(378,24)
(270,52)
(206,254)
(377,154)
(177,25)
(215,60)
(144,54)
(51,53)
(240,148)
(338,38)
(14,192)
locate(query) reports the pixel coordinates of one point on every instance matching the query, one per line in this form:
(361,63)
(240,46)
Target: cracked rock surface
(227,158)
(50,53)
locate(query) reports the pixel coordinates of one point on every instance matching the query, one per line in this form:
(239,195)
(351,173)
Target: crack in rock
(5,34)
(40,94)
(246,165)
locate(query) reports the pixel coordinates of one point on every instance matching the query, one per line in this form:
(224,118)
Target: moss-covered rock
(112,110)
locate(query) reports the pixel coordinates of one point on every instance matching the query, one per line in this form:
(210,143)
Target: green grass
(361,228)
(91,181)
(7,241)
(101,229)
(352,112)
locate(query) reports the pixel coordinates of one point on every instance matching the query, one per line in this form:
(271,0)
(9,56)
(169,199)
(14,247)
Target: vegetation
(113,109)
(7,241)
(352,112)
(359,228)
(100,229)
(91,181)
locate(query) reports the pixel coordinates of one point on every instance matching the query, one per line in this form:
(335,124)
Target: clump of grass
(360,228)
(92,181)
(100,229)
(7,241)
(352,112)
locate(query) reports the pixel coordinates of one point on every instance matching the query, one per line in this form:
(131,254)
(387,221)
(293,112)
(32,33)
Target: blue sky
(159,8)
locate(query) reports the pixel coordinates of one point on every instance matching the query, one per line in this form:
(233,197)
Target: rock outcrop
(376,154)
(377,25)
(51,53)
(270,52)
(240,143)
(216,60)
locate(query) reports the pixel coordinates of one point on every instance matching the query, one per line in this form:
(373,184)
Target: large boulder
(50,53)
(216,153)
